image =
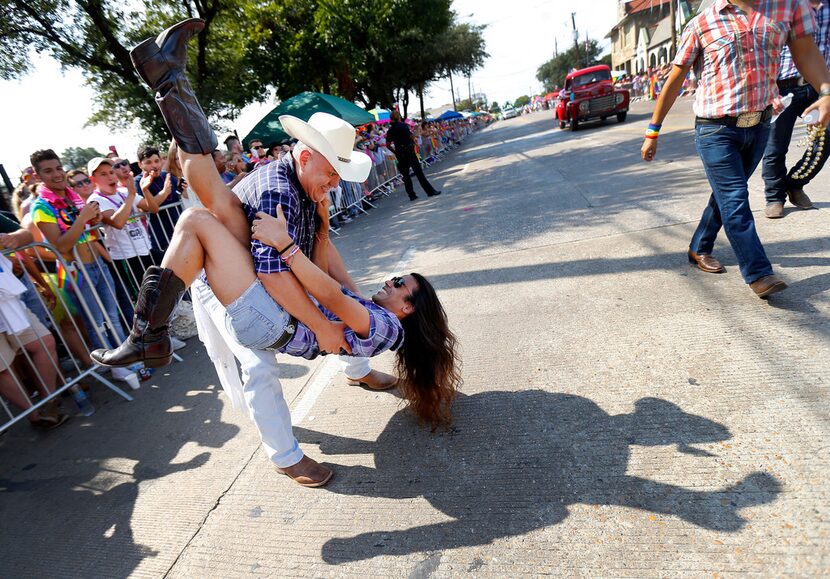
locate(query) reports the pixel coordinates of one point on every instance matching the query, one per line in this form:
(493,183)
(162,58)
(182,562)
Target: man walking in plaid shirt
(778,186)
(735,48)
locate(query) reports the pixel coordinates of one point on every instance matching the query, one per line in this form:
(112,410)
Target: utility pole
(587,51)
(452,91)
(555,48)
(469,90)
(576,36)
(673,17)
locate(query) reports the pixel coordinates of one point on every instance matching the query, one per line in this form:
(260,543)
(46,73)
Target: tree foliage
(552,73)
(494,107)
(372,52)
(78,157)
(521,101)
(95,36)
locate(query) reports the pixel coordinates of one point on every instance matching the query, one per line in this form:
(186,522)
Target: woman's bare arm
(272,231)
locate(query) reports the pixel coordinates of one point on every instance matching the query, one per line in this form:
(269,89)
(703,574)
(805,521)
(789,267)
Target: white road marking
(332,365)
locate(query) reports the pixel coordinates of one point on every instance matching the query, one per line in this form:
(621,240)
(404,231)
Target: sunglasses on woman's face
(398,282)
(82,182)
(120,164)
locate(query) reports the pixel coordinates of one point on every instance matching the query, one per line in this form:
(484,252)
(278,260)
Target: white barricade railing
(66,330)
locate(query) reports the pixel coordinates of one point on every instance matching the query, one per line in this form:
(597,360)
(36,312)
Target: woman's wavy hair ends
(427,363)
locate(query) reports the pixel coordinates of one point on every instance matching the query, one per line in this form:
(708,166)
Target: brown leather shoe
(375,380)
(768,285)
(308,473)
(774,210)
(706,262)
(799,198)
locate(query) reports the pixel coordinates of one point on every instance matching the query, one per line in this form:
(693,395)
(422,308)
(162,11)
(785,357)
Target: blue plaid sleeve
(276,192)
(385,332)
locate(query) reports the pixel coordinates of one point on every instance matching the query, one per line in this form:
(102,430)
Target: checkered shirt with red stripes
(736,56)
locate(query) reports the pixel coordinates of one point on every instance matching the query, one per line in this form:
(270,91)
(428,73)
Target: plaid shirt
(821,36)
(385,333)
(271,185)
(736,56)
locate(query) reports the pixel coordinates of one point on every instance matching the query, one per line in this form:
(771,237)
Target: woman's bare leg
(201,242)
(202,176)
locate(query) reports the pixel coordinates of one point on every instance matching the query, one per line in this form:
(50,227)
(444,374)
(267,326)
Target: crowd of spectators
(648,84)
(108,222)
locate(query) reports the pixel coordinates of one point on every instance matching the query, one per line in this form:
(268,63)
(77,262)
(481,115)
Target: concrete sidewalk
(623,414)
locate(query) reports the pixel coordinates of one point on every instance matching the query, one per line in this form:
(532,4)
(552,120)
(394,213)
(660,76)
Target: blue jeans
(781,132)
(729,156)
(98,281)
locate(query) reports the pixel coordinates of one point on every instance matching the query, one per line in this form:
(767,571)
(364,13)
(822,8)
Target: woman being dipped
(217,240)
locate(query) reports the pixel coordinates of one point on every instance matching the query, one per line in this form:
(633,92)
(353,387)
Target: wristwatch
(824,92)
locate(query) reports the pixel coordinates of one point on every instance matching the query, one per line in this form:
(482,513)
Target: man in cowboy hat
(297,183)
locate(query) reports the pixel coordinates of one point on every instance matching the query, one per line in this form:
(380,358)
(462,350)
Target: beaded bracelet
(291,254)
(653,131)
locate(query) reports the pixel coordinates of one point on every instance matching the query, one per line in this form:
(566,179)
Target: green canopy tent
(303,106)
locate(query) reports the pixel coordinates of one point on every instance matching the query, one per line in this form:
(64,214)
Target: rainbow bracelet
(653,131)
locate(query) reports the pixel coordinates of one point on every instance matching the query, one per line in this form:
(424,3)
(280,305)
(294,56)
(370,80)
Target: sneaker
(126,375)
(177,343)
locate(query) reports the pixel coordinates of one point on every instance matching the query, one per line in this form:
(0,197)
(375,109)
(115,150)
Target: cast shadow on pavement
(515,461)
(68,497)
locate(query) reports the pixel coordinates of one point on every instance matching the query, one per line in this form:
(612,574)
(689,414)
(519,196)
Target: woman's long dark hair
(427,361)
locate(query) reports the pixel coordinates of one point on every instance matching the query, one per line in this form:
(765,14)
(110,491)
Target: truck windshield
(586,79)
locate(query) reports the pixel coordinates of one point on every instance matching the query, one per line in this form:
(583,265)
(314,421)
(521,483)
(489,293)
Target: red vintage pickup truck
(590,94)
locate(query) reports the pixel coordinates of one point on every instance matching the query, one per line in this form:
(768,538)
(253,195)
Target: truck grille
(602,104)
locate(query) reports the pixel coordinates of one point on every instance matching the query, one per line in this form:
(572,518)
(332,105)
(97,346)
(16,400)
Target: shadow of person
(76,499)
(514,462)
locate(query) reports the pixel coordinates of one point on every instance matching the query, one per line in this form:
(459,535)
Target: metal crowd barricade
(123,281)
(67,332)
(384,177)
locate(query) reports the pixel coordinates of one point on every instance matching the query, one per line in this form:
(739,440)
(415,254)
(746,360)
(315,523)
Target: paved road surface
(622,413)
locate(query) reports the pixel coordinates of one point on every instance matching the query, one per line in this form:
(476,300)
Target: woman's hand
(271,230)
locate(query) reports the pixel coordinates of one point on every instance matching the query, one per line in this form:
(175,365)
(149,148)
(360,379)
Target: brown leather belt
(742,121)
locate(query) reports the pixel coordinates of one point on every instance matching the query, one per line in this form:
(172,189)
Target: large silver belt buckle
(747,120)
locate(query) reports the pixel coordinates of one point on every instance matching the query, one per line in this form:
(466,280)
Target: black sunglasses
(120,164)
(399,282)
(81,182)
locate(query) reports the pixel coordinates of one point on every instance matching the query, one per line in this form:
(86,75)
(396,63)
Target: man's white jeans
(262,390)
(356,368)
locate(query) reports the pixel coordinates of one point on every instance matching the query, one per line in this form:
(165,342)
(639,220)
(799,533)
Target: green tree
(494,107)
(552,73)
(95,36)
(78,157)
(521,101)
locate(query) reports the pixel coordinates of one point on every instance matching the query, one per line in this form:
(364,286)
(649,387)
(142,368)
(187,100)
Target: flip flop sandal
(50,422)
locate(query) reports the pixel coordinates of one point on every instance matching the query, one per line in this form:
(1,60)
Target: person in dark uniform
(399,139)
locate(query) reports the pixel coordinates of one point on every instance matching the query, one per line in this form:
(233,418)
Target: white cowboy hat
(333,138)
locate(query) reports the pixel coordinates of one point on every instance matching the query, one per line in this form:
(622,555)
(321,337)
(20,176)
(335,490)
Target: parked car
(509,112)
(590,94)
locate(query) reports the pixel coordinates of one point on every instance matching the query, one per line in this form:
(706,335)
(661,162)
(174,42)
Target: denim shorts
(257,321)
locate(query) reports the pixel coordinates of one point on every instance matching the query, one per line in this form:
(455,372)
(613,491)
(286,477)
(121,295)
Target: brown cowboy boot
(149,339)
(161,62)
